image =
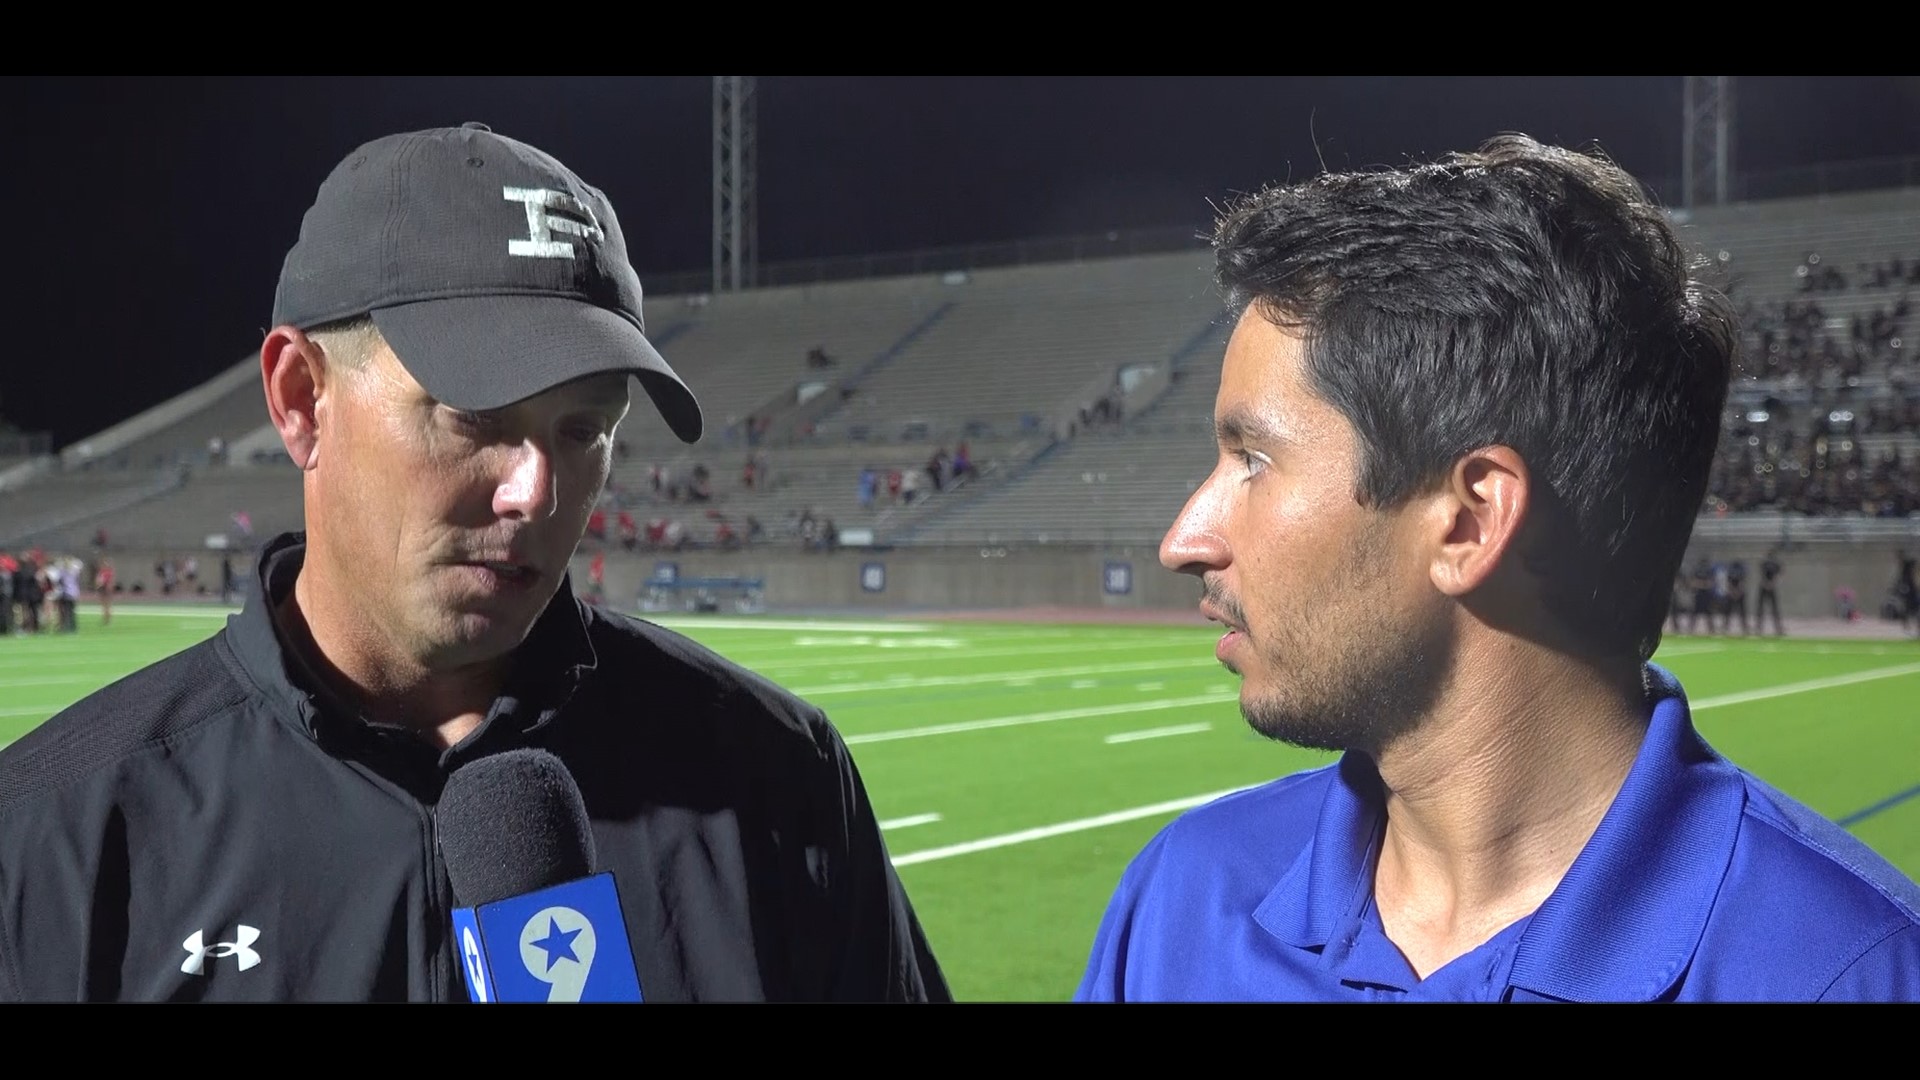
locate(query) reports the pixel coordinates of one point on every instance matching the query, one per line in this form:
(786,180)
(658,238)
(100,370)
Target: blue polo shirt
(1701,884)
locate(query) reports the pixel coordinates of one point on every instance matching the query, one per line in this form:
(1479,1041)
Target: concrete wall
(921,579)
(1076,576)
(971,578)
(1811,573)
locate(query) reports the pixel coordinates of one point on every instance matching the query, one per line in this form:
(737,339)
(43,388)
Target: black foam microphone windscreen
(512,823)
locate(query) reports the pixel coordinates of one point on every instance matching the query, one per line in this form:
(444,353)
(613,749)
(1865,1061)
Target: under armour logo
(197,952)
(542,224)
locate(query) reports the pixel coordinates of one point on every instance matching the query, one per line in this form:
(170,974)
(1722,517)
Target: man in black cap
(453,340)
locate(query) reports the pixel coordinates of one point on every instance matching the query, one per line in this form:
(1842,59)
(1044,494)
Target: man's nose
(527,492)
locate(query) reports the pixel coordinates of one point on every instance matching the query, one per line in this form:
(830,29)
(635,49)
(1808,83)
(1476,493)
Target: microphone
(534,923)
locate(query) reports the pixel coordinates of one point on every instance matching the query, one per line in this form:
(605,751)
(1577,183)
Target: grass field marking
(1146,686)
(909,821)
(1887,803)
(913,683)
(1806,686)
(38,662)
(904,641)
(899,656)
(1044,832)
(1687,650)
(1156,733)
(1134,814)
(1036,718)
(52,680)
(816,626)
(34,710)
(172,611)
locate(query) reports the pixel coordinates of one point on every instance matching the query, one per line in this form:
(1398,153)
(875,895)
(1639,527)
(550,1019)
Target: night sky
(150,216)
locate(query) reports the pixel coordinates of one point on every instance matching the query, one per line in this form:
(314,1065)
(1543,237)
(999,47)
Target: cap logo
(542,206)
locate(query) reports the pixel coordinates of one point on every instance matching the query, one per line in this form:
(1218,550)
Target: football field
(1017,767)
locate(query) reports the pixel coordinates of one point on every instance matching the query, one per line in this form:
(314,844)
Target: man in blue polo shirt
(1465,423)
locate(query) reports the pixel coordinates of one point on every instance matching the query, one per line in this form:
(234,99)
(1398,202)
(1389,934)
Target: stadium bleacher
(1082,390)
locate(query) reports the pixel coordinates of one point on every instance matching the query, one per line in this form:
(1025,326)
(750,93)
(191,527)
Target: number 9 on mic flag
(563,943)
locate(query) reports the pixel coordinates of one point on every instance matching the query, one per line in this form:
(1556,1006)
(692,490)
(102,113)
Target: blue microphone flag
(567,942)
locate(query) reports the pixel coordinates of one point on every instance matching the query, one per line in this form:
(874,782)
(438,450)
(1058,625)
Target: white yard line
(1044,832)
(899,682)
(1156,733)
(1026,836)
(1784,689)
(1024,719)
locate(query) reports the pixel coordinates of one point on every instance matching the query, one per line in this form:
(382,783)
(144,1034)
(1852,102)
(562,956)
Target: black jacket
(213,791)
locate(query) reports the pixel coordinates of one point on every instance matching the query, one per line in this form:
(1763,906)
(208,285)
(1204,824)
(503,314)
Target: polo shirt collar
(1625,921)
(1331,879)
(1627,918)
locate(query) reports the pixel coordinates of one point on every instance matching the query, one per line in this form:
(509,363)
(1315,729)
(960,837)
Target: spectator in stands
(66,600)
(8,567)
(1722,594)
(962,462)
(29,592)
(1700,582)
(1846,603)
(1736,603)
(1418,567)
(226,577)
(817,358)
(673,535)
(869,484)
(1906,586)
(629,530)
(103,585)
(910,481)
(937,469)
(597,578)
(1770,570)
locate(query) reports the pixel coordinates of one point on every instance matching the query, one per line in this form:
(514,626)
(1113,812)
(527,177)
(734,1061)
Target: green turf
(1002,731)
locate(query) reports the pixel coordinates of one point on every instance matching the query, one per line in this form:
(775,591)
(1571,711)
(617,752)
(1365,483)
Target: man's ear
(1482,507)
(294,371)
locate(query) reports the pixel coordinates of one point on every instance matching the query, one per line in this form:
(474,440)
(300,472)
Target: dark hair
(1523,295)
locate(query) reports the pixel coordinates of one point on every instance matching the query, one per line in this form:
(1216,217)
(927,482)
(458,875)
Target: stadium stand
(1083,393)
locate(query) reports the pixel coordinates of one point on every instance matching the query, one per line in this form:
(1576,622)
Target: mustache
(1215,595)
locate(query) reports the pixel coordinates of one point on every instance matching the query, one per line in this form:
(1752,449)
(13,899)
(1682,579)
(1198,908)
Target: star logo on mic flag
(558,944)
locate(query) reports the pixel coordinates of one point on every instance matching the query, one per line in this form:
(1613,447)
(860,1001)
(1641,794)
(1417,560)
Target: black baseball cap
(492,271)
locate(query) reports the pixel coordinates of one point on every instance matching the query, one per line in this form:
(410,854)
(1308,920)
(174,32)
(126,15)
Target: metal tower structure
(736,204)
(1706,136)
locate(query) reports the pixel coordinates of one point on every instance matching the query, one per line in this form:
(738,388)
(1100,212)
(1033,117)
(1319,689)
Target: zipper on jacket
(439,912)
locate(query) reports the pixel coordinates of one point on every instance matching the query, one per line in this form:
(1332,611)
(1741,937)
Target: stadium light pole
(1706,137)
(736,203)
